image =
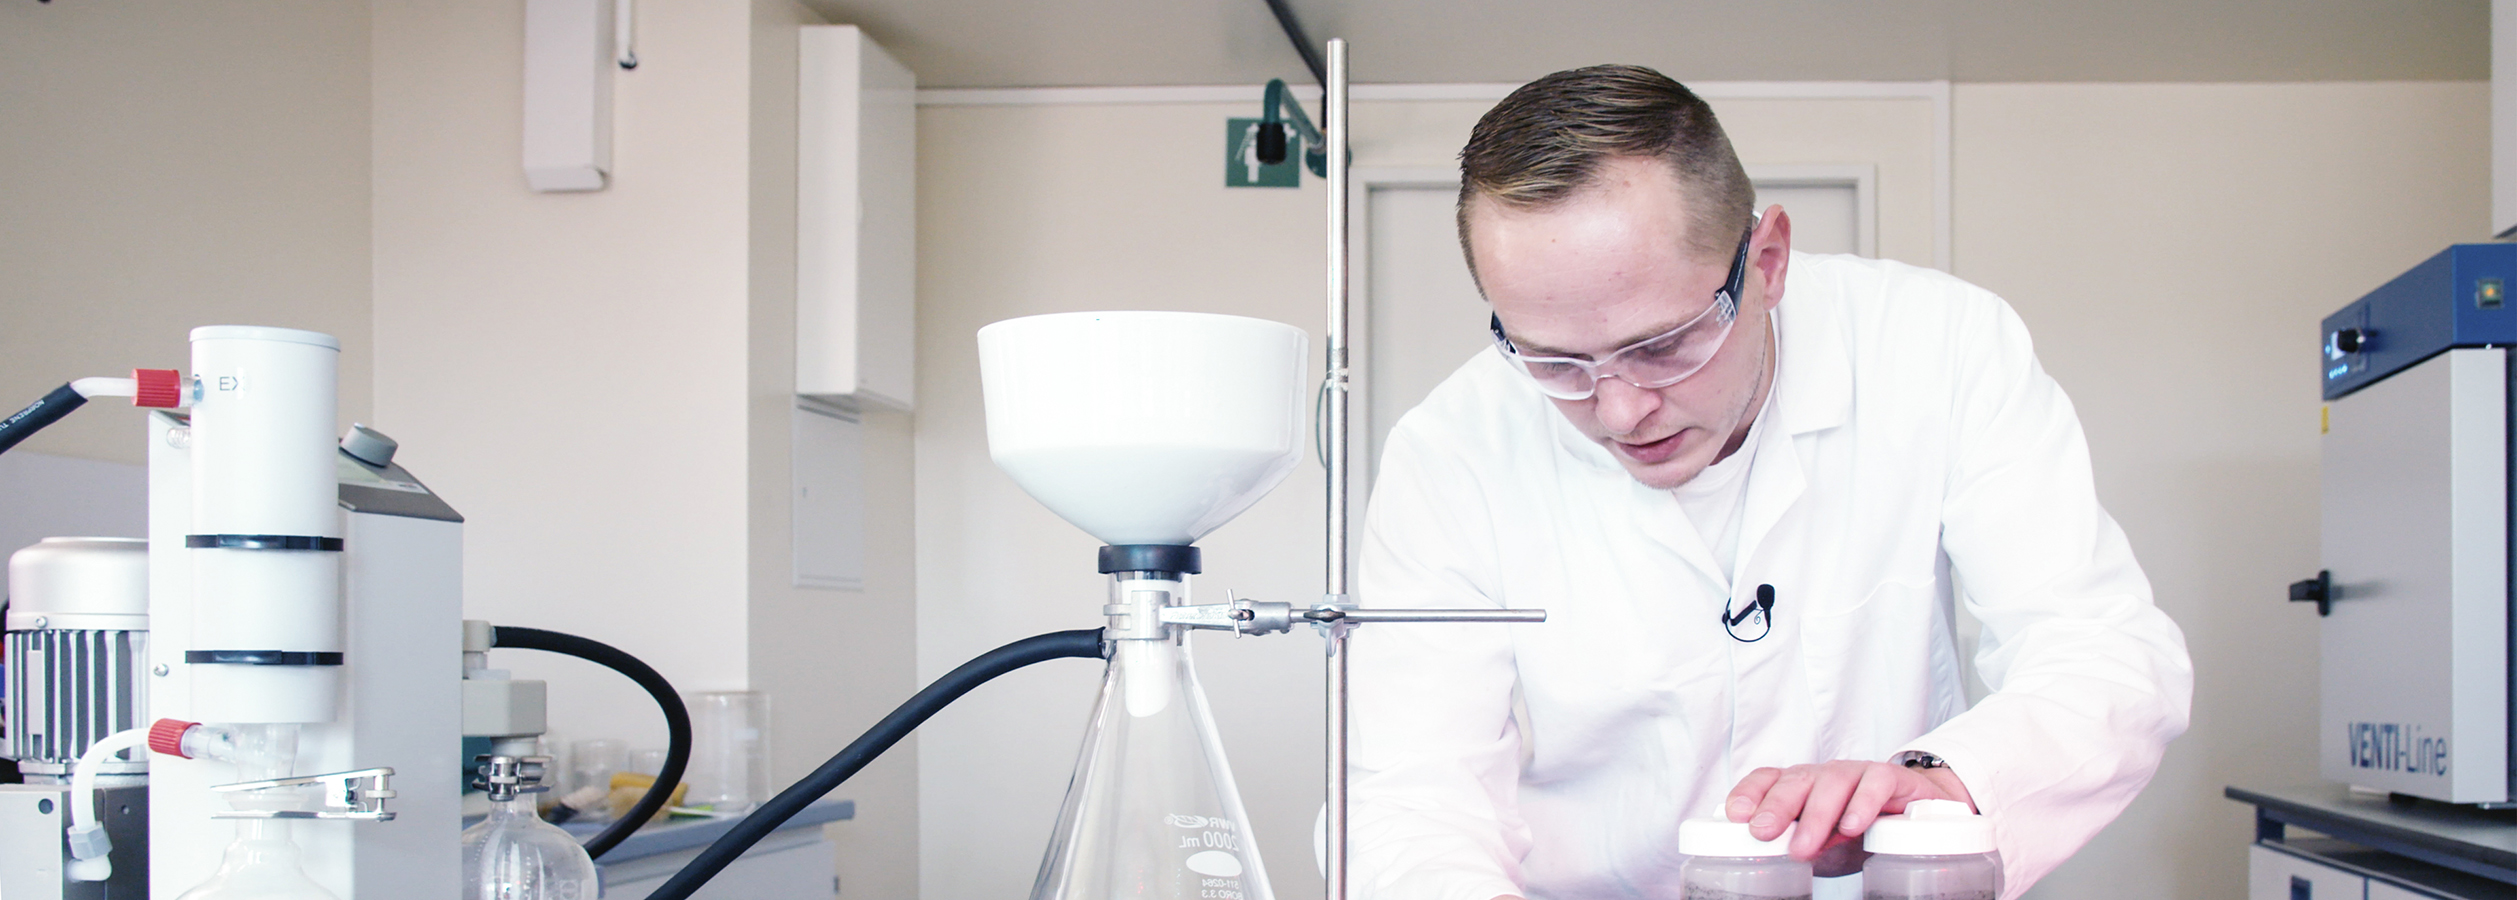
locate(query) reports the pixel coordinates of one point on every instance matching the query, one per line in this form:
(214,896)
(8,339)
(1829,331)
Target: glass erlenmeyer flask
(513,854)
(1152,813)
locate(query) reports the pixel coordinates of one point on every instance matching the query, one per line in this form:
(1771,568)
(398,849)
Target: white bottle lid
(1931,828)
(1723,837)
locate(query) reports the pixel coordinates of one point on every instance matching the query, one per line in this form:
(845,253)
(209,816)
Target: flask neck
(520,806)
(1136,602)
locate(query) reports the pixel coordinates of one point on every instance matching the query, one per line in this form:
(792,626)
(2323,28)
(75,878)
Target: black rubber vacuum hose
(38,414)
(676,718)
(889,731)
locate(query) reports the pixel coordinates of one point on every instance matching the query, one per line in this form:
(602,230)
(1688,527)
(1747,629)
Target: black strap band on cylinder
(1177,558)
(263,657)
(261,542)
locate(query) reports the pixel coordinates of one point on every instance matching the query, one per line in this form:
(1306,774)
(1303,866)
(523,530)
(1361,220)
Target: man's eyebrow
(1542,350)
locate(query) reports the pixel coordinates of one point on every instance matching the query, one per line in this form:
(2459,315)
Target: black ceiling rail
(1301,44)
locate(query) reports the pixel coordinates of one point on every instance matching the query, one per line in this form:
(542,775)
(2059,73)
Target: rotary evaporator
(285,649)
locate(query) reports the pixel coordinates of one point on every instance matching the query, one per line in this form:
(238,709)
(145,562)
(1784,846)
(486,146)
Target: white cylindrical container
(265,537)
(1725,863)
(77,638)
(1934,850)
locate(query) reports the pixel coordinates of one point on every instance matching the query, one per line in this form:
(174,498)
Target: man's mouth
(1654,452)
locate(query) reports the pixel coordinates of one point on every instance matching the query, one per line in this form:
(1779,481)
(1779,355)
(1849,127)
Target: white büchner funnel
(1144,427)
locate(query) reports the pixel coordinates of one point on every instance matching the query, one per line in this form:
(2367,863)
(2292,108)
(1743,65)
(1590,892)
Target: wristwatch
(1916,759)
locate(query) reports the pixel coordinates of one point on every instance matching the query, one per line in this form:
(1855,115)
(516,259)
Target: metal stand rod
(1370,616)
(1338,377)
(1333,91)
(1336,867)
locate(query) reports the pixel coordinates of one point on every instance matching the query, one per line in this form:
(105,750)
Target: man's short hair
(1545,142)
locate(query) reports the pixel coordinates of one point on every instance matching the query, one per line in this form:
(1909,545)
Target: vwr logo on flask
(2393,747)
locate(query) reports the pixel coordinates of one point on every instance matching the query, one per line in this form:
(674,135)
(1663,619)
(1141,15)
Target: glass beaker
(1152,813)
(729,758)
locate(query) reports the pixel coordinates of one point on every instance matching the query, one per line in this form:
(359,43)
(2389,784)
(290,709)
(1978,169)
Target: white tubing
(88,844)
(93,388)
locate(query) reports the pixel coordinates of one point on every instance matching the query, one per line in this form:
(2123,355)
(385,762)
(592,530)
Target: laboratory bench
(2376,847)
(791,863)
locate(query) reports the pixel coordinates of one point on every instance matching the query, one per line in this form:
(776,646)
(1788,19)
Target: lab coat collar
(1813,380)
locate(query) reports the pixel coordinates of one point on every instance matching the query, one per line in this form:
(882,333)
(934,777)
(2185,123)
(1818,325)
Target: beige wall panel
(1895,135)
(2172,247)
(572,371)
(165,165)
(833,661)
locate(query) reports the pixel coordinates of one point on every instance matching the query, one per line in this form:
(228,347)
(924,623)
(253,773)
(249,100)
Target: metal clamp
(1241,617)
(1328,617)
(359,794)
(504,777)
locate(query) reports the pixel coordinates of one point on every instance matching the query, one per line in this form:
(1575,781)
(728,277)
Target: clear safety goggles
(1654,362)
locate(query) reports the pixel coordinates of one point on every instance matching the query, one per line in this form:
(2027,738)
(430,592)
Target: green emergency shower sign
(1241,161)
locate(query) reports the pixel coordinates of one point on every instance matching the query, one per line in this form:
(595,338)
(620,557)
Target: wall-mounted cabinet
(856,221)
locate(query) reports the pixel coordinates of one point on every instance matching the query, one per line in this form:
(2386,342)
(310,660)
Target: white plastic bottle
(1725,863)
(1934,850)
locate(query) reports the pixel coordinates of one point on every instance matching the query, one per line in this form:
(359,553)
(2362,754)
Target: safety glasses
(1654,362)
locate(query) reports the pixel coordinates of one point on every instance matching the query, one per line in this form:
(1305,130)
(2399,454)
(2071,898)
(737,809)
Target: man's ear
(1770,252)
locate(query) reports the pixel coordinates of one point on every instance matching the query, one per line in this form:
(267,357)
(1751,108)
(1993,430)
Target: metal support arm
(359,794)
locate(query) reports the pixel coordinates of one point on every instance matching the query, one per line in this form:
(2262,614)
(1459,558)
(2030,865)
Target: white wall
(833,661)
(42,495)
(601,382)
(2172,248)
(570,370)
(163,166)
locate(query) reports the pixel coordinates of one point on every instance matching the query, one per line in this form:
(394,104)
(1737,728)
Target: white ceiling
(1014,43)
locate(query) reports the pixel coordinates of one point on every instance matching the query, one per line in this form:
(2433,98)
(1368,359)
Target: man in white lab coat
(1750,515)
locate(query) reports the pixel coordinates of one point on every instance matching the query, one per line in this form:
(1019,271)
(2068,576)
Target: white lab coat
(1916,453)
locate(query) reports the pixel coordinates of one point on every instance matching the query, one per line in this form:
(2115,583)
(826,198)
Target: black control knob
(2350,340)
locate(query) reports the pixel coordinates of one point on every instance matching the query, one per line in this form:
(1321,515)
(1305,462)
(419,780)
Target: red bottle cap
(161,388)
(167,736)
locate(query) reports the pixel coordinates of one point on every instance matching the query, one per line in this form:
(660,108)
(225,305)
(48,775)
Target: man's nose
(1621,406)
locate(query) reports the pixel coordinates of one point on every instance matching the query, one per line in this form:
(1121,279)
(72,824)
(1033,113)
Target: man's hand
(1834,802)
